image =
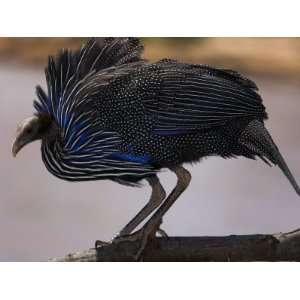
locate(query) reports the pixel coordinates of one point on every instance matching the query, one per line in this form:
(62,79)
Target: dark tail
(257,139)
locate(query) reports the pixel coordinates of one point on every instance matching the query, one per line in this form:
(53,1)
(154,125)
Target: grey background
(42,216)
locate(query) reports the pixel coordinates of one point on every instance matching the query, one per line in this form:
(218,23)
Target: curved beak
(17,146)
(23,136)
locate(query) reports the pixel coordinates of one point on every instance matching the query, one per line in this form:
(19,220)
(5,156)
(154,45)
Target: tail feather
(258,140)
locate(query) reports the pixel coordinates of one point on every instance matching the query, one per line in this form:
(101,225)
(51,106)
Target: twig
(257,247)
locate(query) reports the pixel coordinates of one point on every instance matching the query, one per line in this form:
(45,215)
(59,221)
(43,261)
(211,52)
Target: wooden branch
(257,247)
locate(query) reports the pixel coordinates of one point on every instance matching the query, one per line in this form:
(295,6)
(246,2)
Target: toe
(99,244)
(128,238)
(162,233)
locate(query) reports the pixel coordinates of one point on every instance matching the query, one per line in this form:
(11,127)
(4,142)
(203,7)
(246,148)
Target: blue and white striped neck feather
(72,80)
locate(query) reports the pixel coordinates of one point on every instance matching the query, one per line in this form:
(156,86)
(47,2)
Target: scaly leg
(157,197)
(149,229)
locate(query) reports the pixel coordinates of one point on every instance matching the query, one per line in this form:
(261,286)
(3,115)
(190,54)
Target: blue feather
(172,132)
(144,159)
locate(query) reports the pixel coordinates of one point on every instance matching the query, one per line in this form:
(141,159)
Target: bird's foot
(162,233)
(144,235)
(99,244)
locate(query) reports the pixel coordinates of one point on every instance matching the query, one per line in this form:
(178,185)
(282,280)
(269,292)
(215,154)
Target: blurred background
(42,216)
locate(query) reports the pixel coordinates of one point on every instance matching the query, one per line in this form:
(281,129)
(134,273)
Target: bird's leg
(152,225)
(157,196)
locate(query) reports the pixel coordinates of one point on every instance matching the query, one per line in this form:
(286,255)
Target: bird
(109,114)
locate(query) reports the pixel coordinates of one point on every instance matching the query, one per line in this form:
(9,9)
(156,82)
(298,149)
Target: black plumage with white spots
(112,115)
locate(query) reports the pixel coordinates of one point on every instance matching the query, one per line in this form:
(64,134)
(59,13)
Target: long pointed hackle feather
(257,139)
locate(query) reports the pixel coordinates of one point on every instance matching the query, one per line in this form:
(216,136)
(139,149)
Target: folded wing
(192,97)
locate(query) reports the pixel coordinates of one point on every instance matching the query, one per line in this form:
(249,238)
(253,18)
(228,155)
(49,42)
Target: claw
(162,233)
(127,237)
(132,238)
(144,235)
(99,244)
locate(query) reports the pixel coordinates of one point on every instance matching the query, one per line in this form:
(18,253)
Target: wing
(192,97)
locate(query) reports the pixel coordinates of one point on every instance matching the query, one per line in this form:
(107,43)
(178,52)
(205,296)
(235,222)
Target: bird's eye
(28,130)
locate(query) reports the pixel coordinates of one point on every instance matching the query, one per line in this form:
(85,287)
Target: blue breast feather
(144,159)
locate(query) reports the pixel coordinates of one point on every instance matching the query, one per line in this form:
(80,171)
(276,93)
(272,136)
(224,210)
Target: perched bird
(108,114)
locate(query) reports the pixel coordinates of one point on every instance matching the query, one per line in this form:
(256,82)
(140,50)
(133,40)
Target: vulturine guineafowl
(108,114)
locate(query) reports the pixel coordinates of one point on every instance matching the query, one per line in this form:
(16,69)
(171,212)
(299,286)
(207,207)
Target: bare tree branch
(257,247)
